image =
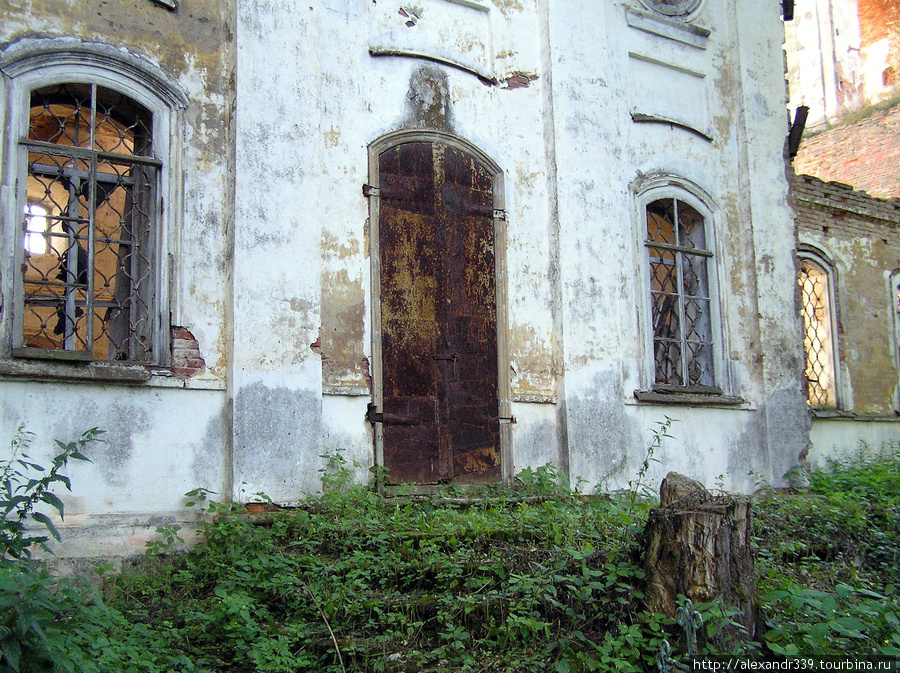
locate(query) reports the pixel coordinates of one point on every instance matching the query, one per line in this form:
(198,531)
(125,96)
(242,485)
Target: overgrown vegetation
(505,581)
(525,579)
(829,562)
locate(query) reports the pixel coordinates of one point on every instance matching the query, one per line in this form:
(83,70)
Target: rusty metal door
(440,411)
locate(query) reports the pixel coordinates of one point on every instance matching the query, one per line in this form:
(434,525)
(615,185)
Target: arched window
(819,344)
(91,147)
(680,254)
(90,220)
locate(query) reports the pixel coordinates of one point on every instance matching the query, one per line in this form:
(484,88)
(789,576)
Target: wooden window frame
(33,64)
(647,189)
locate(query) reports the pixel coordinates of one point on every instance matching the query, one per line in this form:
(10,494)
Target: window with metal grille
(818,333)
(88,255)
(680,314)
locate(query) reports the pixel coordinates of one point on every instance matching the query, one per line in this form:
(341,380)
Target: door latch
(373,416)
(450,357)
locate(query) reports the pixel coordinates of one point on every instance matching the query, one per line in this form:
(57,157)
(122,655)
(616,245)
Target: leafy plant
(843,622)
(51,624)
(828,561)
(544,480)
(660,433)
(24,484)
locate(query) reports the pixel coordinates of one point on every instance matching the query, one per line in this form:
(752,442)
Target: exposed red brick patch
(518,80)
(261,507)
(186,358)
(879,19)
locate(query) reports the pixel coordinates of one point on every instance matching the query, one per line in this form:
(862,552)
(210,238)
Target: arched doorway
(439,389)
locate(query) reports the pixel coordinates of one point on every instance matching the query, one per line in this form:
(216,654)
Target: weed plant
(51,624)
(829,561)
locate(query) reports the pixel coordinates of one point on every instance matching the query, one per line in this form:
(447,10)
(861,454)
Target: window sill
(101,372)
(164,378)
(837,414)
(43,370)
(688,398)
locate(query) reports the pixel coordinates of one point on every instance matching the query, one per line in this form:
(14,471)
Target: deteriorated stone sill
(838,415)
(101,372)
(688,399)
(347,391)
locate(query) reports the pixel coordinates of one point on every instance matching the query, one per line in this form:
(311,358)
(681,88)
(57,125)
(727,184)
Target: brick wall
(879,28)
(860,235)
(865,155)
(186,358)
(818,203)
(877,19)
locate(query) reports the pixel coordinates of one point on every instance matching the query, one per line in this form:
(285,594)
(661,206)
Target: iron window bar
(681,353)
(78,171)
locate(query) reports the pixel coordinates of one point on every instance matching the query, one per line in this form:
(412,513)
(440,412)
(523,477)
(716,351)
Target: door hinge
(508,419)
(373,416)
(499,214)
(392,419)
(369,190)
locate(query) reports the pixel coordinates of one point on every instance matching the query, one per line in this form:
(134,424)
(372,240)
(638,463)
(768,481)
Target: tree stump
(698,544)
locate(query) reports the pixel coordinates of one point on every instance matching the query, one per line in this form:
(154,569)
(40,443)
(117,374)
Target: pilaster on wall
(276,378)
(785,409)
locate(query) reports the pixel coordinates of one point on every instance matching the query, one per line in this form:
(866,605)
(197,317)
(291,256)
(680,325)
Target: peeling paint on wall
(533,365)
(518,80)
(344,365)
(269,249)
(428,100)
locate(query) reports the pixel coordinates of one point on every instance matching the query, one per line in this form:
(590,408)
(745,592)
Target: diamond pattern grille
(680,297)
(818,341)
(88,261)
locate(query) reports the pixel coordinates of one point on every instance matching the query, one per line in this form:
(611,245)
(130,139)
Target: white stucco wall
(582,105)
(852,440)
(569,151)
(600,152)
